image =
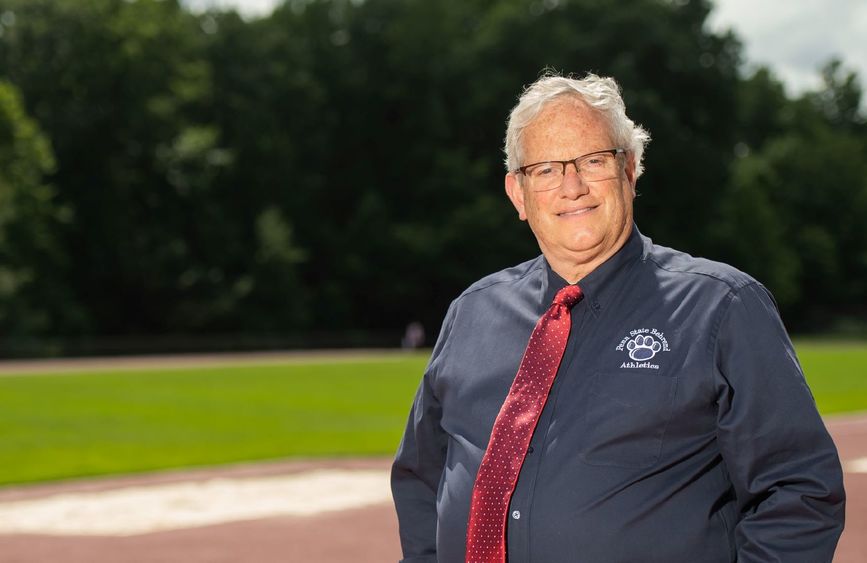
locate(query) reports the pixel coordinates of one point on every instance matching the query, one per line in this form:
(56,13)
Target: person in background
(413,337)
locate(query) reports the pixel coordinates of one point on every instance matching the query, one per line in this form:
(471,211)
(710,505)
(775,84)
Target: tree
(795,212)
(392,171)
(337,165)
(31,302)
(120,87)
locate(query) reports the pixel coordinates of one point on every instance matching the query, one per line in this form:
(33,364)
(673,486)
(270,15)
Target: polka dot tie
(513,428)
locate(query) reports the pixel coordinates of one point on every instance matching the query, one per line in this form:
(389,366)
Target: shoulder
(692,270)
(495,298)
(506,277)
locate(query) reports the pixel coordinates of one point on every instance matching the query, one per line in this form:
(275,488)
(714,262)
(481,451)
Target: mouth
(576,212)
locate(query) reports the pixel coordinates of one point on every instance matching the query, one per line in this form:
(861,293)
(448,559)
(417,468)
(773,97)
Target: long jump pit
(319,511)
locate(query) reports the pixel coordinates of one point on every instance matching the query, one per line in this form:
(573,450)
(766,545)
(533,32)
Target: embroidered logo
(643,348)
(642,345)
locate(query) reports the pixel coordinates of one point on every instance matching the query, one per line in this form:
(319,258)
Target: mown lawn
(836,372)
(55,426)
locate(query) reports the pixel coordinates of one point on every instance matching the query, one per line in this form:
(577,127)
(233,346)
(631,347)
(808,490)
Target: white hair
(602,94)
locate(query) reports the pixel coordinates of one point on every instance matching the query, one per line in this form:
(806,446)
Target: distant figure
(413,337)
(612,400)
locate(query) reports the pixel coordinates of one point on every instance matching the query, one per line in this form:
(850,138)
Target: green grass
(55,426)
(836,372)
(69,425)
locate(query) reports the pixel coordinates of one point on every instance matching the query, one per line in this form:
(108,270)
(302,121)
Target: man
(676,424)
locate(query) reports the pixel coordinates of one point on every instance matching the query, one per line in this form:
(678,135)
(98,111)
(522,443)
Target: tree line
(336,167)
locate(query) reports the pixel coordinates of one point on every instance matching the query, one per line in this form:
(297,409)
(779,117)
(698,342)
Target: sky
(792,37)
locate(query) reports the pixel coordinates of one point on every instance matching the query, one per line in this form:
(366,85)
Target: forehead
(564,129)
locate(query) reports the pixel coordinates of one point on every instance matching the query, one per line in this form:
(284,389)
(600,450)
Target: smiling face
(580,224)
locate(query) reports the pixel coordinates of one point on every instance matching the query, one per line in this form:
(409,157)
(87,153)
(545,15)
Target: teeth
(578,211)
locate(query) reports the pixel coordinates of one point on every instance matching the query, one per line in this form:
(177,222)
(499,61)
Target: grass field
(67,425)
(837,373)
(55,426)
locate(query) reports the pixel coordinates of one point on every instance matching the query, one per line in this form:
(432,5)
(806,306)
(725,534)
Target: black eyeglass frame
(615,152)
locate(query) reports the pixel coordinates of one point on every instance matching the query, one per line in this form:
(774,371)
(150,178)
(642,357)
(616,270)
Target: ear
(629,170)
(516,194)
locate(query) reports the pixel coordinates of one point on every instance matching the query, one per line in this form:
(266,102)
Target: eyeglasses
(591,167)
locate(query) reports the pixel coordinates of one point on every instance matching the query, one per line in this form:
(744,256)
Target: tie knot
(569,295)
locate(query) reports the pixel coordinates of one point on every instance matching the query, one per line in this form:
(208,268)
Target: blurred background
(185,176)
(182,176)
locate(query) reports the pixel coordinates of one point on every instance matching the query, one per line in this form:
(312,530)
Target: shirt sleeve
(783,464)
(419,462)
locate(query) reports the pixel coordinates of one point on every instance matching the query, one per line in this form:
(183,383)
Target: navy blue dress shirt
(679,428)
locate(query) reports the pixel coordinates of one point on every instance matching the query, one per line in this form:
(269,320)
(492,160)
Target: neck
(574,271)
(575,266)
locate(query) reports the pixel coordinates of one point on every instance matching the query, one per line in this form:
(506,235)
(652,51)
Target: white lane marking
(144,509)
(858,465)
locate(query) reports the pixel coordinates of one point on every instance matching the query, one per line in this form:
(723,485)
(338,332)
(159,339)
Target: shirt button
(530,450)
(516,514)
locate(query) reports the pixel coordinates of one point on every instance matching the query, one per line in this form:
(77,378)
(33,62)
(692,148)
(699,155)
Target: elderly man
(611,401)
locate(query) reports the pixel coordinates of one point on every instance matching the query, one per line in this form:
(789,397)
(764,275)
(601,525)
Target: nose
(573,185)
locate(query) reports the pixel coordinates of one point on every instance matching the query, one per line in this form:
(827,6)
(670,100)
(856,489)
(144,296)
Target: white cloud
(248,8)
(796,37)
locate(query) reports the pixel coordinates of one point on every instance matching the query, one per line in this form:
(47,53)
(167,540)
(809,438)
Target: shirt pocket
(626,418)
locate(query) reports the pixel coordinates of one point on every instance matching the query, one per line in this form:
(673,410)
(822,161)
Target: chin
(583,243)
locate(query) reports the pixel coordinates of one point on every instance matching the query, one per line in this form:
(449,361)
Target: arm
(781,460)
(418,465)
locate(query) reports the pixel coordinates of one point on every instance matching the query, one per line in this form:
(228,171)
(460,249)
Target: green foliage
(840,100)
(392,171)
(111,81)
(336,165)
(30,217)
(795,211)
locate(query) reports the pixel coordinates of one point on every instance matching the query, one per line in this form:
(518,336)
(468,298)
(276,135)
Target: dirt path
(365,534)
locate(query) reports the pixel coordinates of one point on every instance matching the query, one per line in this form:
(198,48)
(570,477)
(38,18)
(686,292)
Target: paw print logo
(643,348)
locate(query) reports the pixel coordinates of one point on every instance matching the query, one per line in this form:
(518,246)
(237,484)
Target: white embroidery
(642,344)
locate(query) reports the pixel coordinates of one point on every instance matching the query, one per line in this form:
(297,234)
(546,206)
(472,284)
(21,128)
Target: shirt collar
(598,286)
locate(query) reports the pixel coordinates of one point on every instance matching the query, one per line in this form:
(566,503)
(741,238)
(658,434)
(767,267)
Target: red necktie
(510,437)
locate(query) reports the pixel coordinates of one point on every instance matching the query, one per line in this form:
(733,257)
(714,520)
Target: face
(580,223)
